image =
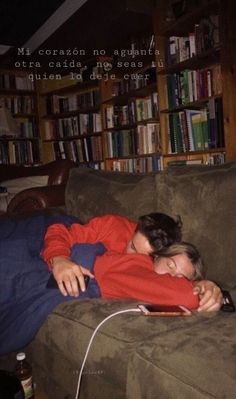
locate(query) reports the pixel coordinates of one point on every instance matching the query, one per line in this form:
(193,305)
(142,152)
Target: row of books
(15,82)
(19,152)
(28,128)
(89,99)
(83,124)
(74,102)
(152,163)
(148,138)
(206,159)
(93,165)
(197,130)
(216,159)
(135,111)
(88,149)
(126,86)
(205,36)
(193,85)
(143,140)
(146,108)
(18,104)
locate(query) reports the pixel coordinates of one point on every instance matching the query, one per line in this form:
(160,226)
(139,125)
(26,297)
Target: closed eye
(133,246)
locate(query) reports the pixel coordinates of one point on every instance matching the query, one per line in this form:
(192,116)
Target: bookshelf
(168,98)
(109,123)
(18,95)
(71,122)
(131,133)
(195,83)
(130,108)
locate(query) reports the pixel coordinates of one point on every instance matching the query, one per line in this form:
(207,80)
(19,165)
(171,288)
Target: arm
(211,298)
(133,276)
(67,273)
(113,231)
(58,242)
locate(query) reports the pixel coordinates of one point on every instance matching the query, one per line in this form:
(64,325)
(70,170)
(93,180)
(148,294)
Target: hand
(66,274)
(211,298)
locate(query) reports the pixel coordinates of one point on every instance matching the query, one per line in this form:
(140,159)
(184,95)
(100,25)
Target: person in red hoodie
(121,236)
(168,280)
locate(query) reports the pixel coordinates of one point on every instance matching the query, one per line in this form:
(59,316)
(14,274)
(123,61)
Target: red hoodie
(112,230)
(132,276)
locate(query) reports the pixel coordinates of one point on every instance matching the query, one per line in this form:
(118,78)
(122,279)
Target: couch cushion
(91,193)
(197,361)
(105,368)
(205,200)
(61,344)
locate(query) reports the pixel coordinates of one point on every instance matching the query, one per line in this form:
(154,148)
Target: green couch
(134,356)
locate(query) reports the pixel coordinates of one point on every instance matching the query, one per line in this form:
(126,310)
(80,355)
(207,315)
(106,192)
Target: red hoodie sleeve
(112,230)
(133,276)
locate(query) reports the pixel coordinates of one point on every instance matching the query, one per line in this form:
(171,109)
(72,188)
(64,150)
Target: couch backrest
(204,197)
(92,193)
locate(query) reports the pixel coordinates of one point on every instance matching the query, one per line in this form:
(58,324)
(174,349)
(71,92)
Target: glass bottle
(24,372)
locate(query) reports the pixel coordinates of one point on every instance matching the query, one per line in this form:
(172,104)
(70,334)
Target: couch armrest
(58,171)
(31,199)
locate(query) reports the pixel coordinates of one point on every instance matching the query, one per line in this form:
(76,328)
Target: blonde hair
(185,248)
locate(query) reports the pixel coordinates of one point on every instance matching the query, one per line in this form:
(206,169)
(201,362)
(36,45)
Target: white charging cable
(91,340)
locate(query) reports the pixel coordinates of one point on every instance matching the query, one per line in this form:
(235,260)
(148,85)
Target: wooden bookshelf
(129,141)
(70,121)
(131,115)
(19,95)
(175,39)
(136,124)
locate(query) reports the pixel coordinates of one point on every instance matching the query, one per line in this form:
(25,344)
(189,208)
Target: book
(189,113)
(184,162)
(197,131)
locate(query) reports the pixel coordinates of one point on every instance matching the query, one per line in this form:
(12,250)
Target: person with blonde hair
(189,256)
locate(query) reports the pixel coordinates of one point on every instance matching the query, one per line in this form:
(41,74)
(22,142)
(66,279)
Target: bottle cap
(20,356)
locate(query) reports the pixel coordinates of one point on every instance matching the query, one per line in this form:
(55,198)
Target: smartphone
(164,310)
(228,305)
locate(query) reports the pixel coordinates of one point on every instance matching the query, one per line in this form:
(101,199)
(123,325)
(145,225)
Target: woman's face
(178,266)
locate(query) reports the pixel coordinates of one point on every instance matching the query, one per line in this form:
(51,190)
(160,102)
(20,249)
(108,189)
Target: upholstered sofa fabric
(195,360)
(92,193)
(205,200)
(134,356)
